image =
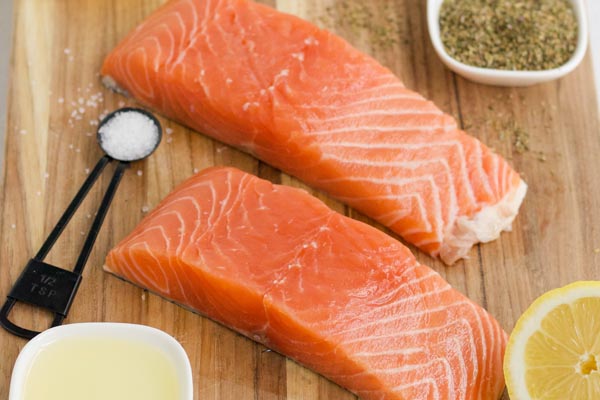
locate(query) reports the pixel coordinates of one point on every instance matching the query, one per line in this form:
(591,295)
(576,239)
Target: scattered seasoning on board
(541,156)
(509,34)
(520,139)
(510,131)
(380,21)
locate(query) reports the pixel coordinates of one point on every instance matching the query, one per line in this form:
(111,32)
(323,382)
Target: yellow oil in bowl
(100,369)
(102,362)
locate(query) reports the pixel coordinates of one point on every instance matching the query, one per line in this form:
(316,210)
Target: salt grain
(129,136)
(195,171)
(121,103)
(145,209)
(23,132)
(169,131)
(67,51)
(139,172)
(13,226)
(61,100)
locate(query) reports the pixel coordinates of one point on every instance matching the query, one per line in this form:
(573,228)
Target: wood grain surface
(58,49)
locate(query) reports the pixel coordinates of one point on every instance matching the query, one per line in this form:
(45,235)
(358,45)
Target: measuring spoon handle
(73,206)
(49,287)
(102,210)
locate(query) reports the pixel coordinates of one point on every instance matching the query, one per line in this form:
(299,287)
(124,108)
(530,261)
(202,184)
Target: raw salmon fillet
(339,296)
(305,101)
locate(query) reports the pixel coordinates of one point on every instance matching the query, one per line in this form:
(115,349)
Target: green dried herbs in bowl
(518,35)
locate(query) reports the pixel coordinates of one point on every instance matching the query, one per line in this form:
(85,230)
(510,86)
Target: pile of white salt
(129,136)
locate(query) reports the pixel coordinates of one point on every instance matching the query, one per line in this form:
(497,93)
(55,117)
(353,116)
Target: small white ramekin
(138,333)
(500,77)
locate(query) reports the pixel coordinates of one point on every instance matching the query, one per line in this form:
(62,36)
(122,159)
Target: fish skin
(339,296)
(305,101)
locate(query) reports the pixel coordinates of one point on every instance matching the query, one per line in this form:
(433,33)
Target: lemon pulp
(561,357)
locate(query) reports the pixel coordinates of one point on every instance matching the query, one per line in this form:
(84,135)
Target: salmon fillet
(303,100)
(339,296)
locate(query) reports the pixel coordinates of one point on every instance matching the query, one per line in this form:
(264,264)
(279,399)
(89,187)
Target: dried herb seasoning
(509,130)
(509,34)
(379,21)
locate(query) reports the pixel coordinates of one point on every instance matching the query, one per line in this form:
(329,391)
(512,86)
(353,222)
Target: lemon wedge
(554,349)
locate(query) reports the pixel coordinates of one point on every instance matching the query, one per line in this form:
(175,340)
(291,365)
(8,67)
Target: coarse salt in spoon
(129,134)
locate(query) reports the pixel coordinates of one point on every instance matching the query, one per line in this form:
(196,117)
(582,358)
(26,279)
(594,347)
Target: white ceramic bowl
(503,77)
(138,333)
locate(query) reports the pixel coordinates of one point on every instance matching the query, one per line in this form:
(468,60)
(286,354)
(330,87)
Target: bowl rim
(135,332)
(433,9)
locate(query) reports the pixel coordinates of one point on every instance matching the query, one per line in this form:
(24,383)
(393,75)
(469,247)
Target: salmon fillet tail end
(315,107)
(482,227)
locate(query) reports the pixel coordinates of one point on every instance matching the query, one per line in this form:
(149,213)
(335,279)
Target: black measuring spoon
(52,288)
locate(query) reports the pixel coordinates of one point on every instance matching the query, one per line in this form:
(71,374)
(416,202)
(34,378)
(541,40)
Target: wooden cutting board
(58,49)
